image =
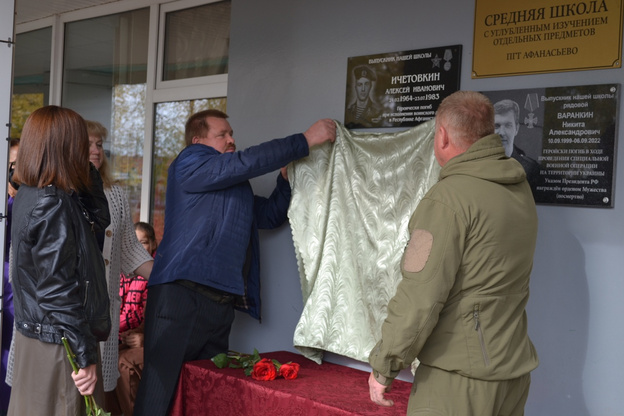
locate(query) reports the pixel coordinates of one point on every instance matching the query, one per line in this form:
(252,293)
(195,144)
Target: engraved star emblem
(436,61)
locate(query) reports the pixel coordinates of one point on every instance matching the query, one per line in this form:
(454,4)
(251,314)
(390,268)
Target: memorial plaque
(400,89)
(565,138)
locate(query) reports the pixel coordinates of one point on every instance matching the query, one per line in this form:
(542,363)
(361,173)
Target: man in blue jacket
(207,263)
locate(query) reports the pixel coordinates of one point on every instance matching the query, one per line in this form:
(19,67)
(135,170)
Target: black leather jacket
(58,275)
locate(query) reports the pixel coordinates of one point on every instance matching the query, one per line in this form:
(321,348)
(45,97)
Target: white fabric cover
(350,208)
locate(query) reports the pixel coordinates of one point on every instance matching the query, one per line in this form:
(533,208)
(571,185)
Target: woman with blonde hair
(122,252)
(58,274)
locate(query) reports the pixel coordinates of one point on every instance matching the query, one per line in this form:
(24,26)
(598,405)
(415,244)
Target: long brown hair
(54,150)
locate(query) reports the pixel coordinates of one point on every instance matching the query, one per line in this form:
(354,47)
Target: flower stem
(92,408)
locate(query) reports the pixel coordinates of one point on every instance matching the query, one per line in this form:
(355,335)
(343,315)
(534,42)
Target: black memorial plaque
(400,89)
(569,133)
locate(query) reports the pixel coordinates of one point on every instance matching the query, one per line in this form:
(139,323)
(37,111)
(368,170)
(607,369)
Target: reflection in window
(104,79)
(31,76)
(126,141)
(168,142)
(21,107)
(197,41)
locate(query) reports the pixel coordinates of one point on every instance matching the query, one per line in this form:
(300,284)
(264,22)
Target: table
(327,389)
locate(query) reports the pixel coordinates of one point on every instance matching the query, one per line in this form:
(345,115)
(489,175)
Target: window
(31,76)
(140,71)
(197,41)
(104,80)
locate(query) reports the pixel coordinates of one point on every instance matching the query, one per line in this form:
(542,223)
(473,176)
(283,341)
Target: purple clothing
(7,315)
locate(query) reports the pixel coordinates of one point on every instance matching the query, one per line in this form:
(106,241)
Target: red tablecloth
(327,389)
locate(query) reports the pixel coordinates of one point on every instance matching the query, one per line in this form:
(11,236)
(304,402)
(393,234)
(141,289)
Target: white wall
(288,68)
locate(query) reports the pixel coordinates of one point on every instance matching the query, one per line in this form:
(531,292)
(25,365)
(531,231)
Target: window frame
(212,82)
(213,86)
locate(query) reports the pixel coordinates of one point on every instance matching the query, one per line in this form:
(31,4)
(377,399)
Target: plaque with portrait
(565,138)
(400,89)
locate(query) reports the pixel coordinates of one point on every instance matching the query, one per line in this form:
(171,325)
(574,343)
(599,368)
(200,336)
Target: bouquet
(257,367)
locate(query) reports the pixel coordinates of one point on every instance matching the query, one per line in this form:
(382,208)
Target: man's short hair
(469,115)
(364,71)
(505,106)
(196,125)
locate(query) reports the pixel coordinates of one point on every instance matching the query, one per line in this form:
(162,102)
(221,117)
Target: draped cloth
(349,213)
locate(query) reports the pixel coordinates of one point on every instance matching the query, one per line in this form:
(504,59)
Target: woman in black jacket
(58,273)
